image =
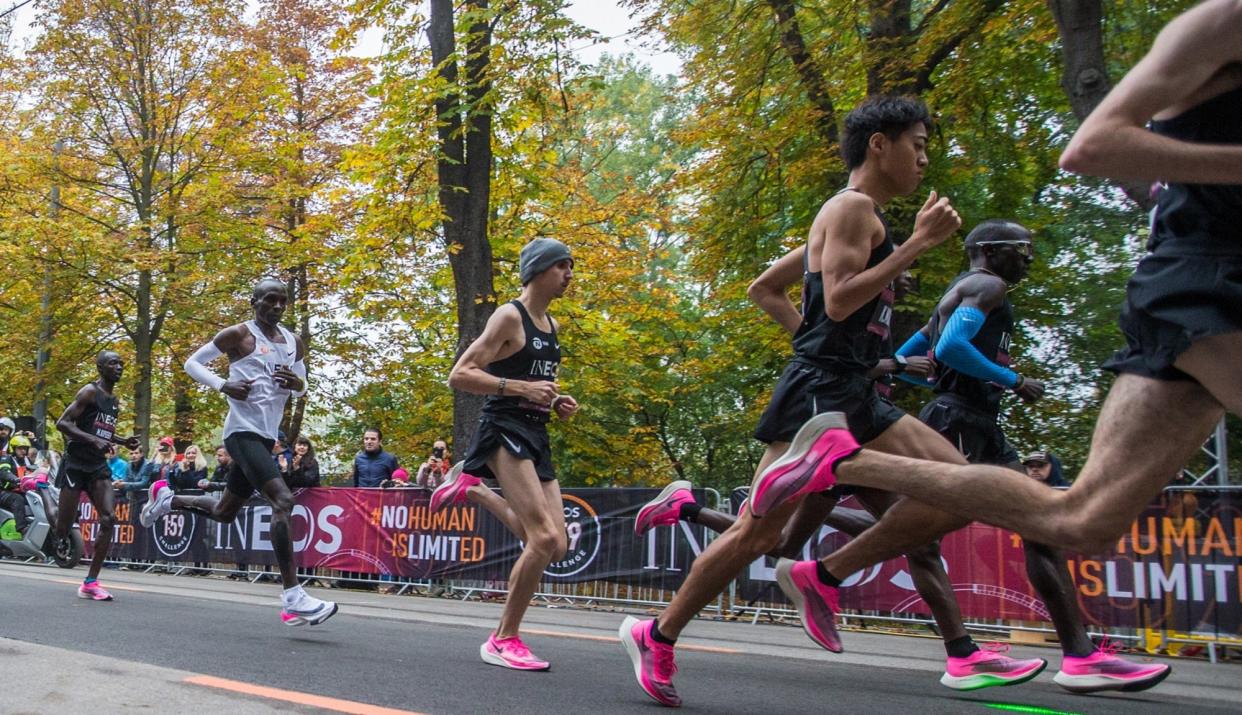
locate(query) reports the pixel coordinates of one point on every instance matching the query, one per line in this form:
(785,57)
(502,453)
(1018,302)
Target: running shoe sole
(1099,683)
(447,490)
(296,619)
(979,681)
(89,597)
(789,475)
(784,577)
(641,525)
(494,659)
(636,657)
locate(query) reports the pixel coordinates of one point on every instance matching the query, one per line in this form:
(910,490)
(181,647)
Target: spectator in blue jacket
(119,467)
(1044,466)
(373,466)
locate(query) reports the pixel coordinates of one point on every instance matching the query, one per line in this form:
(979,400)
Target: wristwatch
(902,364)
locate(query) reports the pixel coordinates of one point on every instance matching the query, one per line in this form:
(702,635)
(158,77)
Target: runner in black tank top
(89,427)
(515,362)
(992,341)
(539,359)
(846,312)
(1182,366)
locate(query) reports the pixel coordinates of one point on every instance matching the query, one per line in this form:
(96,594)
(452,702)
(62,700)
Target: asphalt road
(421,655)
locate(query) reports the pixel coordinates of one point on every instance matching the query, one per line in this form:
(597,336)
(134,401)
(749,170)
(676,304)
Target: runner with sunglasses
(969,335)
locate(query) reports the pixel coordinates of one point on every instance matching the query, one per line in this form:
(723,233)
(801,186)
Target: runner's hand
(237,389)
(1030,391)
(288,379)
(920,367)
(565,406)
(540,393)
(937,220)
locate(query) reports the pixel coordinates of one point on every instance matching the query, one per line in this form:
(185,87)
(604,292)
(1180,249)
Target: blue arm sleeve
(917,345)
(956,351)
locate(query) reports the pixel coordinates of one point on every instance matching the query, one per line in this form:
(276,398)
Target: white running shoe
(159,503)
(307,611)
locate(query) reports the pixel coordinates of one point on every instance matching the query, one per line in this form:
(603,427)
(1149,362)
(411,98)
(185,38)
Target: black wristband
(1018,385)
(902,364)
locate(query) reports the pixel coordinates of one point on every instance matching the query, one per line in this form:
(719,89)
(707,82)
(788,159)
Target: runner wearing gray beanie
(539,255)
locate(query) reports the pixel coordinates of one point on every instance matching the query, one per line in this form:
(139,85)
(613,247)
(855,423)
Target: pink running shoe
(807,465)
(453,489)
(159,503)
(94,592)
(1102,670)
(988,667)
(510,653)
(665,509)
(653,662)
(816,603)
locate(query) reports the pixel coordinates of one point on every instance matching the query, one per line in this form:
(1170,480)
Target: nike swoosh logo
(516,449)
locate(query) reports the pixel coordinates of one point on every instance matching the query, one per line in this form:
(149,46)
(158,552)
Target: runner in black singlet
(89,427)
(850,265)
(515,363)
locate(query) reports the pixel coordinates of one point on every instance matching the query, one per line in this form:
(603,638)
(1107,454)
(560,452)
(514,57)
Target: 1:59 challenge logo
(173,533)
(583,529)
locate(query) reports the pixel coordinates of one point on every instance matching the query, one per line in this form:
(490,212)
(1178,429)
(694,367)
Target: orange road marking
(110,587)
(614,639)
(293,696)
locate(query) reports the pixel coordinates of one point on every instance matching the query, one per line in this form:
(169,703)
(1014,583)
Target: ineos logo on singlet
(1002,350)
(544,368)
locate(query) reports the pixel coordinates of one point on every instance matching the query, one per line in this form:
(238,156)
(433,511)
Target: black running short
(973,432)
(253,463)
(78,477)
(1172,301)
(805,391)
(523,438)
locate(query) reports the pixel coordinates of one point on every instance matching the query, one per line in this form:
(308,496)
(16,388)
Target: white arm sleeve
(299,369)
(196,366)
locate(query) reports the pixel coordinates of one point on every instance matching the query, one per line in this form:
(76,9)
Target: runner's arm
(196,364)
(67,424)
(503,330)
(976,297)
(768,291)
(916,346)
(1189,52)
(850,225)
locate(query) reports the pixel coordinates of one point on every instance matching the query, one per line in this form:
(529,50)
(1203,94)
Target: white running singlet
(261,412)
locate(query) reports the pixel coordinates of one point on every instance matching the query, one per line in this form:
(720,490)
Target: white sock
(290,596)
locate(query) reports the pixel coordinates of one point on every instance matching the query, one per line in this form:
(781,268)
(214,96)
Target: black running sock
(689,512)
(659,637)
(960,647)
(824,577)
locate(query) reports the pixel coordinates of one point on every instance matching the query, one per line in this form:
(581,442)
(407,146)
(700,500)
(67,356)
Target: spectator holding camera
(302,471)
(431,473)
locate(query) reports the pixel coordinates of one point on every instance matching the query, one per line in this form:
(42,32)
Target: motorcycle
(39,540)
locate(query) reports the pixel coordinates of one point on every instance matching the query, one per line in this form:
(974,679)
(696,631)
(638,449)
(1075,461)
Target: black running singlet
(1201,219)
(992,341)
(539,359)
(853,344)
(98,419)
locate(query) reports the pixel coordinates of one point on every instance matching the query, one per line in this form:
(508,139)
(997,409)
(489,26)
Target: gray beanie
(539,255)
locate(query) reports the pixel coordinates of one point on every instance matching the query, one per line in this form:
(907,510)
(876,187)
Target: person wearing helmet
(7,428)
(22,455)
(10,499)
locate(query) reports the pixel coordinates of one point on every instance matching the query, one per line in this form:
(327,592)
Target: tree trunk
(1084,76)
(464,173)
(143,344)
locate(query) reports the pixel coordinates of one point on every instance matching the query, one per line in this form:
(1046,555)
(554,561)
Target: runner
(849,265)
(89,427)
(266,365)
(676,502)
(971,330)
(1179,371)
(515,363)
